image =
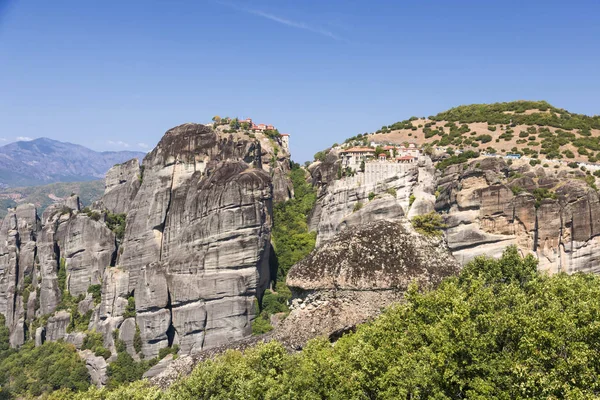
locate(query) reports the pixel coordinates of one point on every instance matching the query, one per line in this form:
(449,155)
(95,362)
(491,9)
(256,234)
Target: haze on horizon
(117,75)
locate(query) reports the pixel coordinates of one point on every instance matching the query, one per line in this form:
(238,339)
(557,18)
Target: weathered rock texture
(489,205)
(362,269)
(96,367)
(122,183)
(197,241)
(193,260)
(339,199)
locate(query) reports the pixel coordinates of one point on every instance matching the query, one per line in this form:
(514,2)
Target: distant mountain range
(42,161)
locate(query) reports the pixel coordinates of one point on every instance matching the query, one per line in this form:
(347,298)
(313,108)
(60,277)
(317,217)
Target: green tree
(429,224)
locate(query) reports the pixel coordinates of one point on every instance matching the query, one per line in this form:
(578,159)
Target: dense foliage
(505,113)
(500,330)
(430,224)
(291,238)
(117,223)
(457,159)
(291,241)
(33,371)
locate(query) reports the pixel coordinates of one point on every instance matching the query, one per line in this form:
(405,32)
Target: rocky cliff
(193,258)
(553,213)
(354,200)
(352,277)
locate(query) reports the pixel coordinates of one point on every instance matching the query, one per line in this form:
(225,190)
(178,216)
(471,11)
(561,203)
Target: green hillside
(531,128)
(43,196)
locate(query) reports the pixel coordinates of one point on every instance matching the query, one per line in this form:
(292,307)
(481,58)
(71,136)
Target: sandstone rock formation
(193,260)
(197,242)
(96,366)
(552,214)
(338,199)
(352,277)
(122,183)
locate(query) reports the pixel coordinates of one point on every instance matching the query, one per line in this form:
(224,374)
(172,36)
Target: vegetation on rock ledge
(291,241)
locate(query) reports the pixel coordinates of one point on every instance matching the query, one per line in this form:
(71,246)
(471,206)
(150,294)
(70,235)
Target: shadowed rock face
(194,256)
(195,252)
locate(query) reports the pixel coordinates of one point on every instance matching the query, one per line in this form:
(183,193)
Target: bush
(92,340)
(371,196)
(411,199)
(96,291)
(117,224)
(357,206)
(130,309)
(165,351)
(391,191)
(484,138)
(541,194)
(457,159)
(137,340)
(429,224)
(569,154)
(261,325)
(102,352)
(124,370)
(321,155)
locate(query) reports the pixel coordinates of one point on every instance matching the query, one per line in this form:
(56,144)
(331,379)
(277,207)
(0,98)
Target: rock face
(552,214)
(339,199)
(96,367)
(193,259)
(17,267)
(122,183)
(197,242)
(362,269)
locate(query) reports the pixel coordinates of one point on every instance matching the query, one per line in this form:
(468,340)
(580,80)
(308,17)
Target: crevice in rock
(171,329)
(535,232)
(161,227)
(113,256)
(16,293)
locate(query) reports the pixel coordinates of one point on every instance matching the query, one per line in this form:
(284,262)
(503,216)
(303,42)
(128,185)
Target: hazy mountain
(44,160)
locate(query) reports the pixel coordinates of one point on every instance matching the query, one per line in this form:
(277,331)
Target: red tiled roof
(285,134)
(359,150)
(405,158)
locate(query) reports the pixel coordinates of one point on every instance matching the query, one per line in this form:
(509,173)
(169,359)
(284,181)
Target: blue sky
(117,74)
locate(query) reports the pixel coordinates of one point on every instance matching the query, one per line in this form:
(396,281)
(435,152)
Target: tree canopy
(500,330)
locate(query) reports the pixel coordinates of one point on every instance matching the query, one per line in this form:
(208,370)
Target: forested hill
(532,128)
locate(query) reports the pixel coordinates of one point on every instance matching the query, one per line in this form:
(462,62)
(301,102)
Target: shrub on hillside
(430,224)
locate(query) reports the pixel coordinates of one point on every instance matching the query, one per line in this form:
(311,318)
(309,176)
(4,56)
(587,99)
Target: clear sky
(116,74)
